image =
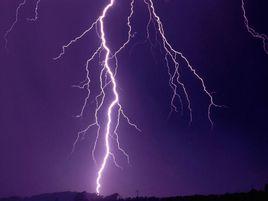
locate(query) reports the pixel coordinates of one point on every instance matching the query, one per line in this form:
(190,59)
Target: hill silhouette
(253,195)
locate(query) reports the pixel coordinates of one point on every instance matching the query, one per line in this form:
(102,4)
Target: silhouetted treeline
(253,195)
(250,196)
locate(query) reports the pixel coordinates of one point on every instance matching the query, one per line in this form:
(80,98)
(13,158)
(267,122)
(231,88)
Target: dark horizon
(169,157)
(137,193)
(253,194)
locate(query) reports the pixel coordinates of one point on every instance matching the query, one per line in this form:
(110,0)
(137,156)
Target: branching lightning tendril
(14,23)
(35,11)
(19,7)
(252,31)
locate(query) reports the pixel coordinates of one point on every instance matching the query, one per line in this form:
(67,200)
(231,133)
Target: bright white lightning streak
(14,23)
(116,96)
(99,103)
(85,85)
(252,31)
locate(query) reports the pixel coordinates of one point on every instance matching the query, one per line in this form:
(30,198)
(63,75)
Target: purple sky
(38,104)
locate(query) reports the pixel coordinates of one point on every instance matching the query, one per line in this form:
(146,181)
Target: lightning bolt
(252,31)
(114,102)
(108,62)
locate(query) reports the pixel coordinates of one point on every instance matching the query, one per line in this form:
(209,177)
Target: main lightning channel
(106,78)
(116,96)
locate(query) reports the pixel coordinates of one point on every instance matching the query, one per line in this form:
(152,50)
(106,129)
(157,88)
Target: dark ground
(253,195)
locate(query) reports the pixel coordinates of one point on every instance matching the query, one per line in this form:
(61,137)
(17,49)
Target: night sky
(169,157)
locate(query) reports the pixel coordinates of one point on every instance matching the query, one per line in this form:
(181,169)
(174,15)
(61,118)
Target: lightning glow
(252,31)
(108,97)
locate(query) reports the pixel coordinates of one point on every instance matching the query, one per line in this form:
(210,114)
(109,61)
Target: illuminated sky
(38,104)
